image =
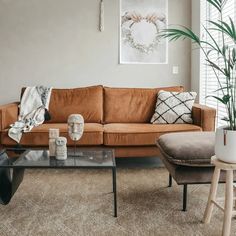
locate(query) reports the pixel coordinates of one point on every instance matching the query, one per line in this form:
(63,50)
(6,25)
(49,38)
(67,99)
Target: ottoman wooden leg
(228,203)
(212,196)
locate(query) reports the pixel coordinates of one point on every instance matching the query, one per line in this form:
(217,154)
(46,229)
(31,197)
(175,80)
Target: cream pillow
(174,108)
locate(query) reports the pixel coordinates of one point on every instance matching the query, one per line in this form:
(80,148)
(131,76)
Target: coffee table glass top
(100,158)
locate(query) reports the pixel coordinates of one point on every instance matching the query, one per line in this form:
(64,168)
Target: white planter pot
(225,145)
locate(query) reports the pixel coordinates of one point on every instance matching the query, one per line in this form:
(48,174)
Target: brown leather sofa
(114,117)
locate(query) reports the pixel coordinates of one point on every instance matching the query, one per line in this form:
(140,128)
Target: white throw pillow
(174,108)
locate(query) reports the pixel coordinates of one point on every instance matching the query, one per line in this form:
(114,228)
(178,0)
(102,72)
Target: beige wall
(57,43)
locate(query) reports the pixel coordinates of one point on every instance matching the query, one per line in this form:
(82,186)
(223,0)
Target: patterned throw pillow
(174,108)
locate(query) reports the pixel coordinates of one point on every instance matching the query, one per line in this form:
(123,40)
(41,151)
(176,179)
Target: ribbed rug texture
(80,203)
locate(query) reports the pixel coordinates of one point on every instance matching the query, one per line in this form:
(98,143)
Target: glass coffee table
(13,162)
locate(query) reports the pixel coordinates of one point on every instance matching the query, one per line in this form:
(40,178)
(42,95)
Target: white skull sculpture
(75,126)
(61,149)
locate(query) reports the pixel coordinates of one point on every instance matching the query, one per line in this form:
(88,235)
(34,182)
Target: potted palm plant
(225,72)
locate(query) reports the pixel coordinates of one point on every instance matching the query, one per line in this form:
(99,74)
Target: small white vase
(225,145)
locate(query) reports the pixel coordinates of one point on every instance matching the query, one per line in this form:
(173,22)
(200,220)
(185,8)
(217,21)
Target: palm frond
(223,88)
(184,33)
(223,100)
(216,47)
(225,28)
(216,3)
(214,65)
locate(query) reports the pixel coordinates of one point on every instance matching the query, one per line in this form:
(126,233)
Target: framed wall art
(140,24)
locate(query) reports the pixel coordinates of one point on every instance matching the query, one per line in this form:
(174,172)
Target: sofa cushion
(140,134)
(93,135)
(192,148)
(174,108)
(131,105)
(86,101)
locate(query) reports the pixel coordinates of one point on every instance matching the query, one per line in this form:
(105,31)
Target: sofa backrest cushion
(86,101)
(131,105)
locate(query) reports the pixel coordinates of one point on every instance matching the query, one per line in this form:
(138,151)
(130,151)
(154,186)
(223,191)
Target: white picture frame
(138,40)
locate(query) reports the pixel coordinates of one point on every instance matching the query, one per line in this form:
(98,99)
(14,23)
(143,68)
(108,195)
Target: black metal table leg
(170,181)
(185,193)
(9,183)
(10,179)
(114,190)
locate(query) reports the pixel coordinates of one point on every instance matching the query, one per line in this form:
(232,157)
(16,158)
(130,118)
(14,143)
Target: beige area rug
(79,202)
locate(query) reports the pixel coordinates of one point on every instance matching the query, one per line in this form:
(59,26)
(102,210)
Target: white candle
(53,135)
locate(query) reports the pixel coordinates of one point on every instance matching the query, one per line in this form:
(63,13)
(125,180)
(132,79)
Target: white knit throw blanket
(32,111)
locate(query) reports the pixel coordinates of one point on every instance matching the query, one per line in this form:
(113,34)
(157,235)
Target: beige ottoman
(187,156)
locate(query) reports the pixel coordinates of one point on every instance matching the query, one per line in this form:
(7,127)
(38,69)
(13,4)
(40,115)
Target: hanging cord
(101,25)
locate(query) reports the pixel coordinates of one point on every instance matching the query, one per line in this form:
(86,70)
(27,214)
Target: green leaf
(224,49)
(226,98)
(212,64)
(223,88)
(216,4)
(233,27)
(234,54)
(223,100)
(216,24)
(174,34)
(225,28)
(227,73)
(225,119)
(217,48)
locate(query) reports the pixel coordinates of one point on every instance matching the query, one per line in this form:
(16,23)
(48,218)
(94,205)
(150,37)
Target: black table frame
(10,181)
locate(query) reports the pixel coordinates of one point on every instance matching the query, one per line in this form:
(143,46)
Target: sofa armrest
(8,115)
(204,116)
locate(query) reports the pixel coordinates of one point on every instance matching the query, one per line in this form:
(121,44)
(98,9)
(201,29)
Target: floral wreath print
(135,18)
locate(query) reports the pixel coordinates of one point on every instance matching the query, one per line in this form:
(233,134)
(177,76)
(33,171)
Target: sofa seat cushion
(140,134)
(93,135)
(188,148)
